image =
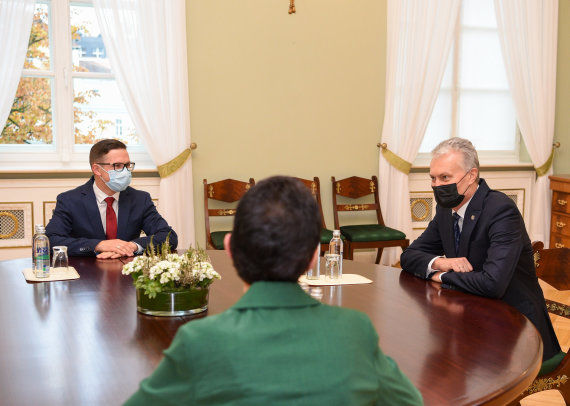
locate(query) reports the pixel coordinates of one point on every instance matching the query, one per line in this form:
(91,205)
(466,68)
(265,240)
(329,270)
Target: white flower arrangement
(161,270)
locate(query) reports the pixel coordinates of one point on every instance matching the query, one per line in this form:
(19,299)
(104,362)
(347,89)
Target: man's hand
(115,249)
(436,277)
(452,264)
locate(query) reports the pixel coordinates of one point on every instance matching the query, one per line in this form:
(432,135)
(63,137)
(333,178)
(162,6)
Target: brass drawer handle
(559,245)
(562,202)
(560,224)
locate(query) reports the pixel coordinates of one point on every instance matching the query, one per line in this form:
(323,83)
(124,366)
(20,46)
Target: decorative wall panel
(16,224)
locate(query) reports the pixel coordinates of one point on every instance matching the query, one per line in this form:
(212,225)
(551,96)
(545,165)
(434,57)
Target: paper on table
(54,275)
(347,279)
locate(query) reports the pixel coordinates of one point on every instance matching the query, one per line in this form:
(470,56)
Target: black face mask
(447,196)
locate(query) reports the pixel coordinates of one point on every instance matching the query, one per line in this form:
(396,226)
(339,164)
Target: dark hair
(276,230)
(102,148)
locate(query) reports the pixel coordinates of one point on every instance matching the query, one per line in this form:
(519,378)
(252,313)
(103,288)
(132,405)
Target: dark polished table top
(83,342)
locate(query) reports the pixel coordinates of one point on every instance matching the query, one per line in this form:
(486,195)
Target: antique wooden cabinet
(560,218)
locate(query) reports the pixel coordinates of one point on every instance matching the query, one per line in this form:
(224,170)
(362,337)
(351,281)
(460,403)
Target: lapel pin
(472,217)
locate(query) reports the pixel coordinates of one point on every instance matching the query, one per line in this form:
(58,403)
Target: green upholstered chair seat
(326,236)
(370,232)
(218,239)
(551,364)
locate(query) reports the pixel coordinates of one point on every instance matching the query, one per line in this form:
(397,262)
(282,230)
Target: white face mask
(118,181)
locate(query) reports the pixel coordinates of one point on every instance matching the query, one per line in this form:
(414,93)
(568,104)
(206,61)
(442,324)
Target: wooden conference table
(82,342)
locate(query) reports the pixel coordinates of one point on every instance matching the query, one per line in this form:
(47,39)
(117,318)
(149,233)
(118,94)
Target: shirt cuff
(429,270)
(139,249)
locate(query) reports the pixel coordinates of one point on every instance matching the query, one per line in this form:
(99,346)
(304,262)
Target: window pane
(479,13)
(482,61)
(488,120)
(87,49)
(30,119)
(38,56)
(439,127)
(99,112)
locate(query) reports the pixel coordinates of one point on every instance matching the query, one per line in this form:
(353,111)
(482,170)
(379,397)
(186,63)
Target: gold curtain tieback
(173,165)
(545,167)
(400,164)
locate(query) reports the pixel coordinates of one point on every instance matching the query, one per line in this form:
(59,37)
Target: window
(474,101)
(67,98)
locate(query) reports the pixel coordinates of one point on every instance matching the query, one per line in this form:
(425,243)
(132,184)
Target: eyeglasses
(119,166)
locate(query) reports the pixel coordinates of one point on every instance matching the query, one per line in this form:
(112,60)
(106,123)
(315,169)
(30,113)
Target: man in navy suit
(477,241)
(105,217)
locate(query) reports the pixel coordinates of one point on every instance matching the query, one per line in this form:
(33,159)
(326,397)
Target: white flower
(173,268)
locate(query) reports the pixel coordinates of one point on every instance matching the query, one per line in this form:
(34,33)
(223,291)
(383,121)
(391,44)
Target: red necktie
(111,218)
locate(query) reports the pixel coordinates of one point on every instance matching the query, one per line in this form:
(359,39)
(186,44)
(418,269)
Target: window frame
(63,154)
(493,158)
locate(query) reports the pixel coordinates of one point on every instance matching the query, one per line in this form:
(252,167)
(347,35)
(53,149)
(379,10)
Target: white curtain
(146,43)
(528,32)
(16,17)
(420,34)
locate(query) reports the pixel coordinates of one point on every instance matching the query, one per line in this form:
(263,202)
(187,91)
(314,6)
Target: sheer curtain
(528,32)
(420,34)
(146,42)
(16,17)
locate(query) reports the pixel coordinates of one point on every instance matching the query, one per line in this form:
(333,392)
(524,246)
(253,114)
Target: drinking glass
(60,261)
(332,266)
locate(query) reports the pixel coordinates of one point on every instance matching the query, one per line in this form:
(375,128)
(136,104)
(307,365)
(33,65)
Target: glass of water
(332,262)
(59,260)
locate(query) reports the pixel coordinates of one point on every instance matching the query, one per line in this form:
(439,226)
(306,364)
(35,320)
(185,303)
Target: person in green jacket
(277,345)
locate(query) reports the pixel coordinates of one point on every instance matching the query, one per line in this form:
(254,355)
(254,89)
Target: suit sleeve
(60,230)
(155,226)
(416,257)
(171,382)
(501,250)
(394,387)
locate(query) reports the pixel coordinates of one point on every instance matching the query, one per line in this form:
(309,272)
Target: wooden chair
(364,235)
(315,188)
(229,191)
(553,267)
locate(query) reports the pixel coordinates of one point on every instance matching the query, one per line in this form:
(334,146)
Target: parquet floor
(562,328)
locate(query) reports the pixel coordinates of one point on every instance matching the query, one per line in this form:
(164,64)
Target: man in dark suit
(277,345)
(477,241)
(105,217)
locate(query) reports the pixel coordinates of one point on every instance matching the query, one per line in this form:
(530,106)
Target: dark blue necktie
(456,231)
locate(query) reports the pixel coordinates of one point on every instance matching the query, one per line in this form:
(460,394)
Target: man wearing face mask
(105,217)
(477,242)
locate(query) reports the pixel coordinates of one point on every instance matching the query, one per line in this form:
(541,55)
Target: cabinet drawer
(559,241)
(560,224)
(561,202)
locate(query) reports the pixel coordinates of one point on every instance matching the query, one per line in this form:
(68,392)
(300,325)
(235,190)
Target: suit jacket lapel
(472,215)
(447,236)
(124,213)
(92,210)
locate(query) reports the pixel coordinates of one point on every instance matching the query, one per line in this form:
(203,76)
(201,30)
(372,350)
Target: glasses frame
(129,165)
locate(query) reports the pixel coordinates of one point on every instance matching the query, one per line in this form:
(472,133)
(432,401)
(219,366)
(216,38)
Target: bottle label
(42,253)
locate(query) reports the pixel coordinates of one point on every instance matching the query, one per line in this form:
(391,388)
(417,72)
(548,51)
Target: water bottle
(335,248)
(41,252)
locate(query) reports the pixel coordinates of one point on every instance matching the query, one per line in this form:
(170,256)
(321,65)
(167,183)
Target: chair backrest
(552,265)
(315,187)
(355,188)
(227,190)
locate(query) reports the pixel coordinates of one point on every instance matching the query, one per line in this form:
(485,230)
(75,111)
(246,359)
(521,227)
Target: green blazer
(277,346)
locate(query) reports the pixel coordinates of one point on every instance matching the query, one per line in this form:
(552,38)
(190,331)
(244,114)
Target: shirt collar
(100,196)
(275,295)
(463,208)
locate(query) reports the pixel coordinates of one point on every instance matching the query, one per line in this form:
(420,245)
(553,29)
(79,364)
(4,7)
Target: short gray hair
(470,157)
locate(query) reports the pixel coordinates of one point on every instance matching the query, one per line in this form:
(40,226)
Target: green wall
(302,94)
